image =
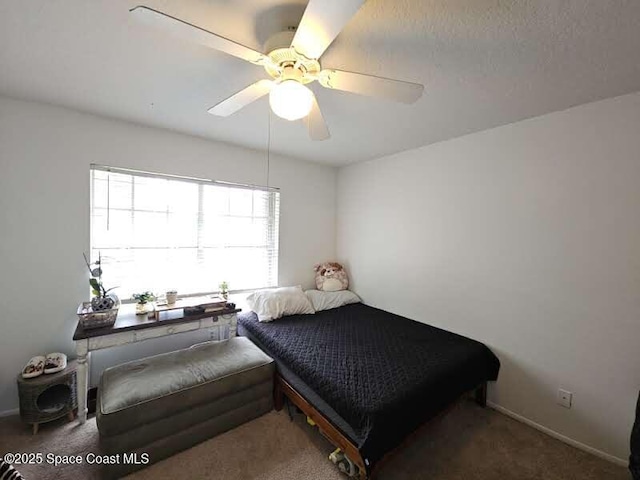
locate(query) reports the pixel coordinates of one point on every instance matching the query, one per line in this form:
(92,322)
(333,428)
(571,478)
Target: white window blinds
(159,232)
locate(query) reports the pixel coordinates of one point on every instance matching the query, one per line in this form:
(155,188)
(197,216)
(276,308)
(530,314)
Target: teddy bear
(331,277)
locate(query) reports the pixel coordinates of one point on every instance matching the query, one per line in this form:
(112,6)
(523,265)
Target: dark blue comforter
(382,373)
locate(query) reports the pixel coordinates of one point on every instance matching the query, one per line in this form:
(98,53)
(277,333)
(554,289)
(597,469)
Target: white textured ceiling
(484,63)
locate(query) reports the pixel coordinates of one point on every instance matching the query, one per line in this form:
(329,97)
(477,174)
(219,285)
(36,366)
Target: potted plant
(224,290)
(102,310)
(143,300)
(172,297)
(102,299)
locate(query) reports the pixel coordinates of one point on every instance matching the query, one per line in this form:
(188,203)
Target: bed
(367,377)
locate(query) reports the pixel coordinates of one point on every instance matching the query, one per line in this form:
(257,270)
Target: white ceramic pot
(172,297)
(142,308)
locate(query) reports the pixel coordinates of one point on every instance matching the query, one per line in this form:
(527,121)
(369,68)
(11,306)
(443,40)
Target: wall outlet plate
(565,398)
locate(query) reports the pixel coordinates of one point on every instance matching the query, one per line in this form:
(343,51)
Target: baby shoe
(55,362)
(34,367)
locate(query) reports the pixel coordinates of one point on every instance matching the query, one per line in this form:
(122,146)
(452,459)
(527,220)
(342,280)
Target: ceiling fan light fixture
(291,100)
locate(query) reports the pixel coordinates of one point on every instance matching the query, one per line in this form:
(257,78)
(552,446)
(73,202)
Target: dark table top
(128,320)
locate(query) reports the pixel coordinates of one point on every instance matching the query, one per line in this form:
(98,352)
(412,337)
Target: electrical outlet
(565,398)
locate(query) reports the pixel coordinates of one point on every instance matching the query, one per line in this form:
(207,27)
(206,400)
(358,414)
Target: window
(160,232)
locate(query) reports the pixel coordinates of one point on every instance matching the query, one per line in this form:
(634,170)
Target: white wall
(526,237)
(45,154)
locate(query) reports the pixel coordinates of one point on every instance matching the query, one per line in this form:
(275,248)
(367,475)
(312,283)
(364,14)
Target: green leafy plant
(144,297)
(95,269)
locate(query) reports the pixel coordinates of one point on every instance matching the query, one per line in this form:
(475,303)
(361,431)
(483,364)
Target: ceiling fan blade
(405,92)
(321,23)
(315,123)
(187,31)
(242,98)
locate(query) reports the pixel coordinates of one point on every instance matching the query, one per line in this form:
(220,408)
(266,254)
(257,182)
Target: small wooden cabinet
(48,397)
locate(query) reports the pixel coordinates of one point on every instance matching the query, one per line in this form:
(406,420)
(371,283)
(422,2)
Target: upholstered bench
(166,403)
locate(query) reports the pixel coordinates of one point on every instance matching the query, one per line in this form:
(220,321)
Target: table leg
(233,326)
(83,378)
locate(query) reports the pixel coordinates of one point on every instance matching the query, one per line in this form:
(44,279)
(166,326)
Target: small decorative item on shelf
(172,297)
(224,290)
(143,299)
(102,310)
(101,299)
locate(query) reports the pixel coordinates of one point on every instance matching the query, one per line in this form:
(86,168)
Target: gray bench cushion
(153,388)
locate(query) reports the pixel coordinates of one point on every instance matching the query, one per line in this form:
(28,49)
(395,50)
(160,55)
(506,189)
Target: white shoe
(55,362)
(34,367)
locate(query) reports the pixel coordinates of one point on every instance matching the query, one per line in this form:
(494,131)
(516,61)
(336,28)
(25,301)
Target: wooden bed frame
(283,389)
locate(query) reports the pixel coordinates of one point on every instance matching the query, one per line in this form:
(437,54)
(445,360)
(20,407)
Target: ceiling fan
(292,61)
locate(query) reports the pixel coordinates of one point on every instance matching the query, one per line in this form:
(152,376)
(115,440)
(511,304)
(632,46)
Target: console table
(132,328)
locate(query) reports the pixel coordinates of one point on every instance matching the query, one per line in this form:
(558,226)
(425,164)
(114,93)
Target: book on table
(194,305)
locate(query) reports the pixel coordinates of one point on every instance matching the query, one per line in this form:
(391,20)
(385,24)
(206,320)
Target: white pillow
(274,303)
(326,300)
